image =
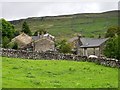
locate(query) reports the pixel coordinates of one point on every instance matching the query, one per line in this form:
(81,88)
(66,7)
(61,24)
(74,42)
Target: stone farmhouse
(88,46)
(42,43)
(46,42)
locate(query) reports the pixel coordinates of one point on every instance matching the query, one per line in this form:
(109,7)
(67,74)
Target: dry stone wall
(57,56)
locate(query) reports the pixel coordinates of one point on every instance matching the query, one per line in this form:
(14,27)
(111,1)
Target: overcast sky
(17,10)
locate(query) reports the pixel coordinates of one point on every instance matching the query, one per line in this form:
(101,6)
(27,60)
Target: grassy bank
(23,73)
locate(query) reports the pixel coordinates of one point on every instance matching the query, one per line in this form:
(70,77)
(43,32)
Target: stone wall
(57,56)
(44,44)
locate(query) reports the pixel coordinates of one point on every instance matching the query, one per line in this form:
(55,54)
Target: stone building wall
(57,56)
(44,45)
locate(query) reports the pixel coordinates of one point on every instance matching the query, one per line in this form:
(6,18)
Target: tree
(5,41)
(16,33)
(12,45)
(26,29)
(15,46)
(64,47)
(112,31)
(112,48)
(7,29)
(118,33)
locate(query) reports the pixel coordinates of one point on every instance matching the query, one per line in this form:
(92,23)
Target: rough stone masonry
(57,56)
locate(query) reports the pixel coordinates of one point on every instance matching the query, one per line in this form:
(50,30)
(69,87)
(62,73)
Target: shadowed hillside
(67,26)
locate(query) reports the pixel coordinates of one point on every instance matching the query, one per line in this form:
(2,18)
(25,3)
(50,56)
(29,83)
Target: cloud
(59,0)
(0,10)
(17,10)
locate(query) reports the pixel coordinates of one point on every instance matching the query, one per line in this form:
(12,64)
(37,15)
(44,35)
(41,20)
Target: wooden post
(99,51)
(85,52)
(94,51)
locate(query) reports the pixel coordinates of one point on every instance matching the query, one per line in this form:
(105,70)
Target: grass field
(23,73)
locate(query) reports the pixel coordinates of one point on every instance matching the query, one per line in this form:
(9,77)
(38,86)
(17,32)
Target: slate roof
(90,42)
(23,38)
(44,39)
(35,38)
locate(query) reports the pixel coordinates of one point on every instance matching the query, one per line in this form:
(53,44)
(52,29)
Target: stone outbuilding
(40,43)
(88,46)
(22,40)
(43,42)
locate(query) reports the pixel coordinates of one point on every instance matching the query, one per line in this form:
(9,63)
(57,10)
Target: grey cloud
(23,10)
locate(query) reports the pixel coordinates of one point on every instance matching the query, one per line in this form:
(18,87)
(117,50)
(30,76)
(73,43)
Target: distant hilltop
(103,14)
(67,26)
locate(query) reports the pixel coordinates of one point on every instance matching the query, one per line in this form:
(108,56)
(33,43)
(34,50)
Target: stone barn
(88,46)
(40,43)
(22,40)
(43,43)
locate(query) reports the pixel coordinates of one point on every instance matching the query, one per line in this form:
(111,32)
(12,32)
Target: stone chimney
(79,41)
(78,44)
(79,36)
(38,34)
(99,36)
(42,34)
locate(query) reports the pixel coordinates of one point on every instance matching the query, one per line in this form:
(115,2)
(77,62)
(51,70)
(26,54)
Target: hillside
(66,26)
(23,73)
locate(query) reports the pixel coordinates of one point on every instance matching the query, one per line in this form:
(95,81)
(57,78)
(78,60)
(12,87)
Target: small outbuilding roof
(90,42)
(34,38)
(23,38)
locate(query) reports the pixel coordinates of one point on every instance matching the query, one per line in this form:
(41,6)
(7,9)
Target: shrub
(64,47)
(15,46)
(30,76)
(36,82)
(12,45)
(15,67)
(71,69)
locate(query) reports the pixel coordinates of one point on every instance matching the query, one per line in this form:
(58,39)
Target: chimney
(79,43)
(79,36)
(99,36)
(42,34)
(38,34)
